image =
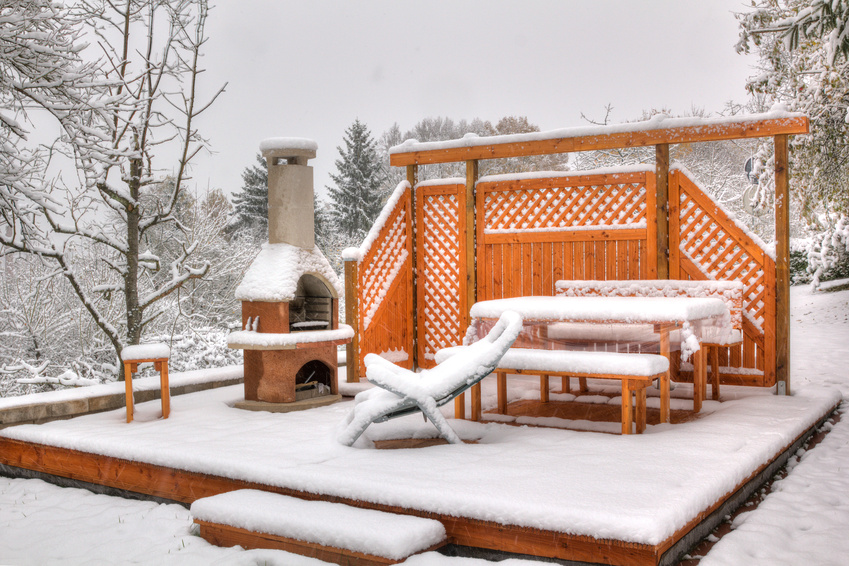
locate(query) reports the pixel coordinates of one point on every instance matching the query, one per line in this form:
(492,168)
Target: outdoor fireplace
(290,296)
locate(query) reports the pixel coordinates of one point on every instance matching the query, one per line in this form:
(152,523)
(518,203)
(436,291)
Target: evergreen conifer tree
(357,194)
(251,203)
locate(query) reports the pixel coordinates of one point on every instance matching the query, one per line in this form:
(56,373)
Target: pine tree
(357,194)
(251,203)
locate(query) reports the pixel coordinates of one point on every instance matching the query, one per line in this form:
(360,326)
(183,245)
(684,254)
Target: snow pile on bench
(327,524)
(151,351)
(567,361)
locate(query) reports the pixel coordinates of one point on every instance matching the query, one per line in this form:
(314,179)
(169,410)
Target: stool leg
(582,382)
(165,390)
(543,388)
(128,390)
(565,384)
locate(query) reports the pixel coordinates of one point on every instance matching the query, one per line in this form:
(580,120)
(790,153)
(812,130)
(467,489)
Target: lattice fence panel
(534,231)
(566,207)
(439,268)
(712,246)
(385,289)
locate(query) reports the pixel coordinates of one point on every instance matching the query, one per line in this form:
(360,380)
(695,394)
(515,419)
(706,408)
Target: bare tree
(127,115)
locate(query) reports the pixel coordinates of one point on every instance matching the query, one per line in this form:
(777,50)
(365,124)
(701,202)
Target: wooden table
(663,313)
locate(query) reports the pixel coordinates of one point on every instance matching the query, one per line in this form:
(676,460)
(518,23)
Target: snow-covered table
(697,318)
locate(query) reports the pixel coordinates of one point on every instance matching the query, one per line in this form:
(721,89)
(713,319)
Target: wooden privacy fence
(533,230)
(515,235)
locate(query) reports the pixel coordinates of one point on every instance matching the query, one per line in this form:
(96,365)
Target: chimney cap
(288,148)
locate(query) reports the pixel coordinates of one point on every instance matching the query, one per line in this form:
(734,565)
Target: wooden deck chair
(403,392)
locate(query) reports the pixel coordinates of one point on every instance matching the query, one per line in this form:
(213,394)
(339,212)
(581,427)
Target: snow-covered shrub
(799,273)
(828,254)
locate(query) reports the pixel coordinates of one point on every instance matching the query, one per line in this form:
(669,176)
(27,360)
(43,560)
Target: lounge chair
(403,392)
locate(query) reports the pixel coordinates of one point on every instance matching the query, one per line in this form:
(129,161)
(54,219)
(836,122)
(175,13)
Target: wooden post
(662,207)
(352,351)
(782,267)
(413,179)
(471,270)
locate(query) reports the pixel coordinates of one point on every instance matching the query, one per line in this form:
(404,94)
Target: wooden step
(332,532)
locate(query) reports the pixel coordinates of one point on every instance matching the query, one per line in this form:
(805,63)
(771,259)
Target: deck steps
(332,532)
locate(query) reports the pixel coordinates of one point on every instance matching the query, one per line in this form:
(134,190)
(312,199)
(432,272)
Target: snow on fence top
(271,144)
(357,254)
(659,129)
(274,274)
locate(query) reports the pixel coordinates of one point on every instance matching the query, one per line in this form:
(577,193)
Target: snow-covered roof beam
(658,130)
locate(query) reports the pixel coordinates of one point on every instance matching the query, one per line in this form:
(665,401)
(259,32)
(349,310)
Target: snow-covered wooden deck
(547,492)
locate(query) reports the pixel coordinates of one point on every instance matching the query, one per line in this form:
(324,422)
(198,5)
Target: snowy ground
(43,524)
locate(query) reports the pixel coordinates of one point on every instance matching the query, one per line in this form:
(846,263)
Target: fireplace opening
(312,306)
(312,380)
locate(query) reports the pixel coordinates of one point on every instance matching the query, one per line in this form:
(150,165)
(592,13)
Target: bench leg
(664,398)
(460,406)
(128,390)
(476,402)
(714,372)
(502,392)
(566,384)
(640,416)
(582,382)
(543,388)
(627,416)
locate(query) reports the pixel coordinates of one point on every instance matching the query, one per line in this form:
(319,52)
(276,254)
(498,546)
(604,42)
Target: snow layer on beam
(440,182)
(658,122)
(274,274)
(320,522)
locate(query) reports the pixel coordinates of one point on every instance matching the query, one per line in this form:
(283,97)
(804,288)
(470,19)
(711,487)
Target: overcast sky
(309,68)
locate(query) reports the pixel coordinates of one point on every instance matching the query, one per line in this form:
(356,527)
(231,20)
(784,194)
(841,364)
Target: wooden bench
(731,292)
(635,372)
(332,532)
(156,353)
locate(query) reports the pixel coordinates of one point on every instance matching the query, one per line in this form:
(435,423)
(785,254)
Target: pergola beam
(598,138)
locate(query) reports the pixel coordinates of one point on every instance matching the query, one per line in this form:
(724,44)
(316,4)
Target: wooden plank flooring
(185,487)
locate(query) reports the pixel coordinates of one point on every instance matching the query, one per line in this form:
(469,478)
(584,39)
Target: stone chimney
(290,191)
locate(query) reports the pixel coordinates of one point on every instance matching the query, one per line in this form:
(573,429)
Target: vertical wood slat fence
(532,230)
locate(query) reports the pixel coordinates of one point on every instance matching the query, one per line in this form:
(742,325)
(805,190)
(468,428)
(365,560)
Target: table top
(632,310)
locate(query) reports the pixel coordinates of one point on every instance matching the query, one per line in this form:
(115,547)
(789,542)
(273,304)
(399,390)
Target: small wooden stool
(141,353)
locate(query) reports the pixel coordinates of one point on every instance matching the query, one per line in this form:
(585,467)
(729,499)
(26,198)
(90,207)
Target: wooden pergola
(658,133)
